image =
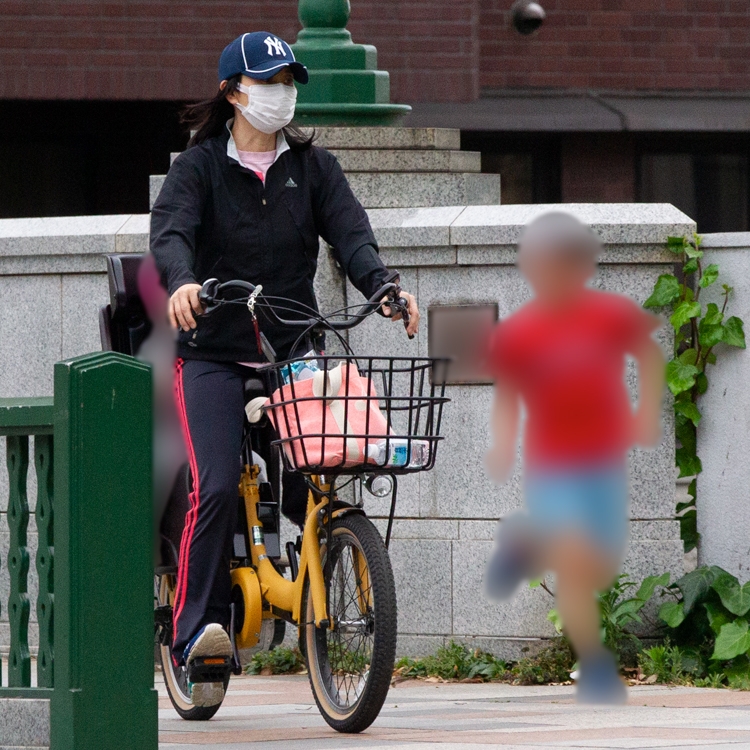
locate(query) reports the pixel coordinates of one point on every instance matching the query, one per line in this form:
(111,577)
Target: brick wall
(155,49)
(430,47)
(131,49)
(436,50)
(621,44)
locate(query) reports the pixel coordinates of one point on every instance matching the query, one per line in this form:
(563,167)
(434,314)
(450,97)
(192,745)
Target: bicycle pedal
(209,669)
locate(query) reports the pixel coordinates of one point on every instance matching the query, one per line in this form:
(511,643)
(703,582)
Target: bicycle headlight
(379,485)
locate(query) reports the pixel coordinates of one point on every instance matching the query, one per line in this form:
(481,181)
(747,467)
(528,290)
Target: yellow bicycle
(335,583)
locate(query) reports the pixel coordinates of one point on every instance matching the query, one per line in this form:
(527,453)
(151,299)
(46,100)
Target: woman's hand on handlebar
(184,305)
(412,310)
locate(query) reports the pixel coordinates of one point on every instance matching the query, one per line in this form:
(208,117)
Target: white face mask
(270,107)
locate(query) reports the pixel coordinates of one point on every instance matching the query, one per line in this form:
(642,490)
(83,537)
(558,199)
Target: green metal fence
(92,456)
(20,419)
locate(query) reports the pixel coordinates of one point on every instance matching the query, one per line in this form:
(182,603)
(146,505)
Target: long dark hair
(207,119)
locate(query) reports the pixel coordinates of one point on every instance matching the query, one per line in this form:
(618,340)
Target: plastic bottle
(420,453)
(398,452)
(301,369)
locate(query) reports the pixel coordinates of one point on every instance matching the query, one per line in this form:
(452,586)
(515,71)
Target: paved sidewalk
(279,712)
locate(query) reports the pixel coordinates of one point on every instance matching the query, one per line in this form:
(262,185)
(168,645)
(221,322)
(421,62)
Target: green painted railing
(92,455)
(19,420)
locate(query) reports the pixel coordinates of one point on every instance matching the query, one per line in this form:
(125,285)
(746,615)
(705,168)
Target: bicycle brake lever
(400,306)
(405,315)
(206,296)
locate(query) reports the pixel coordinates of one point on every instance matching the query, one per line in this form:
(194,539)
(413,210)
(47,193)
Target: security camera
(527,16)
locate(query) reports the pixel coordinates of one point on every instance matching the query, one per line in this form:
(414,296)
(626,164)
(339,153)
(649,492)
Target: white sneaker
(212,642)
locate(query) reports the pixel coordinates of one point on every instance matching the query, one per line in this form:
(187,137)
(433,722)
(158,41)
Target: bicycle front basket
(352,414)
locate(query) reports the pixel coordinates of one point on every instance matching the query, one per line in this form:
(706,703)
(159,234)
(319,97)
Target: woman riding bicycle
(249,199)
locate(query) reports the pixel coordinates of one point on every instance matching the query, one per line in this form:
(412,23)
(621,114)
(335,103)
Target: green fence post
(104,693)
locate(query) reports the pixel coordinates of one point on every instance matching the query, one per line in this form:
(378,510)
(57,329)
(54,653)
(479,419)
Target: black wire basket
(352,415)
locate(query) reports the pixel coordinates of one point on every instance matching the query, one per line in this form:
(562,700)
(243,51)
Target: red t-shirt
(568,365)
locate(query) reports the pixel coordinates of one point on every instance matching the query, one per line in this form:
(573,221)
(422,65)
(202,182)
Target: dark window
(80,158)
(528,164)
(707,177)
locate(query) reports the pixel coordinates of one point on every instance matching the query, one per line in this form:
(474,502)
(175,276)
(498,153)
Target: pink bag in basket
(304,418)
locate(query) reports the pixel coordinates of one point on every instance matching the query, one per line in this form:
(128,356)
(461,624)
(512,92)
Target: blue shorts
(592,501)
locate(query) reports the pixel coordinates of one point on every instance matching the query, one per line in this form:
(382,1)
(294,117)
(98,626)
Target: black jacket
(215,219)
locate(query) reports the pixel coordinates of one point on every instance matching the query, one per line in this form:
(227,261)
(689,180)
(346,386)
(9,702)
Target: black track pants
(210,402)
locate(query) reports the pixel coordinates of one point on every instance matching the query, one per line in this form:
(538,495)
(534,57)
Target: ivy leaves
(710,603)
(666,291)
(682,372)
(734,597)
(698,331)
(711,327)
(710,274)
(734,335)
(684,311)
(733,640)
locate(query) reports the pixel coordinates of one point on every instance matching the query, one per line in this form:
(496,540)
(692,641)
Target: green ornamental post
(104,693)
(345,87)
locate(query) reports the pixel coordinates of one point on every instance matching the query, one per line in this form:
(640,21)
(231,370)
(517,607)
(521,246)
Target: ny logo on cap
(275,46)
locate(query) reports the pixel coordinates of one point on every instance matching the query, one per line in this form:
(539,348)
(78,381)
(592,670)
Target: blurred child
(160,351)
(563,356)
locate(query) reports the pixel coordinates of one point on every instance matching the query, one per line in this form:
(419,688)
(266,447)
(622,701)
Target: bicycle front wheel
(350,664)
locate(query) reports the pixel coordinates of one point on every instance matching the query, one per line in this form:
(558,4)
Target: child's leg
(514,558)
(581,570)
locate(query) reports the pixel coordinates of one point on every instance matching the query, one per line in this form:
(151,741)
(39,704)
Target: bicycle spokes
(350,641)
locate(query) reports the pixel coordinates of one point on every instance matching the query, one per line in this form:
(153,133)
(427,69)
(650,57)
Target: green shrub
(618,612)
(280,660)
(706,617)
(713,680)
(553,663)
(671,664)
(454,662)
(708,611)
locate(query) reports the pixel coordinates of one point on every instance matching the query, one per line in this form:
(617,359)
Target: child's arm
(651,379)
(504,419)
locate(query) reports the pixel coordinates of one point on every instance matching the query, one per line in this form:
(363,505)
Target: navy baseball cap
(259,55)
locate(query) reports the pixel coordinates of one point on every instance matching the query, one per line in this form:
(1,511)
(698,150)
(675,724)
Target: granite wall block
(724,430)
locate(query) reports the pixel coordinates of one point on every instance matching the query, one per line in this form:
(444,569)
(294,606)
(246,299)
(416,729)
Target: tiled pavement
(279,712)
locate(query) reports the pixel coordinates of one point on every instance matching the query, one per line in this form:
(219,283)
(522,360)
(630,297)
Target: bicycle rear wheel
(175,678)
(351,664)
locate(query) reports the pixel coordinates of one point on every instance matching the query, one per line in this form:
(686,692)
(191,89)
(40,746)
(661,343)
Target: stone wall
(52,282)
(724,431)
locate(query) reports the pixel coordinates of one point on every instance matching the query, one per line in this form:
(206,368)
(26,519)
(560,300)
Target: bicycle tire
(326,675)
(174,677)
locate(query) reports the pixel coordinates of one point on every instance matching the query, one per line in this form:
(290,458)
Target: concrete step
(441,139)
(24,723)
(402,160)
(408,189)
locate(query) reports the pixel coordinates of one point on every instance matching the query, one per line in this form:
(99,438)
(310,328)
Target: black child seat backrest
(123,323)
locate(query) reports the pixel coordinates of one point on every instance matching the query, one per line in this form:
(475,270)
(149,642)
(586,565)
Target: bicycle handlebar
(212,288)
